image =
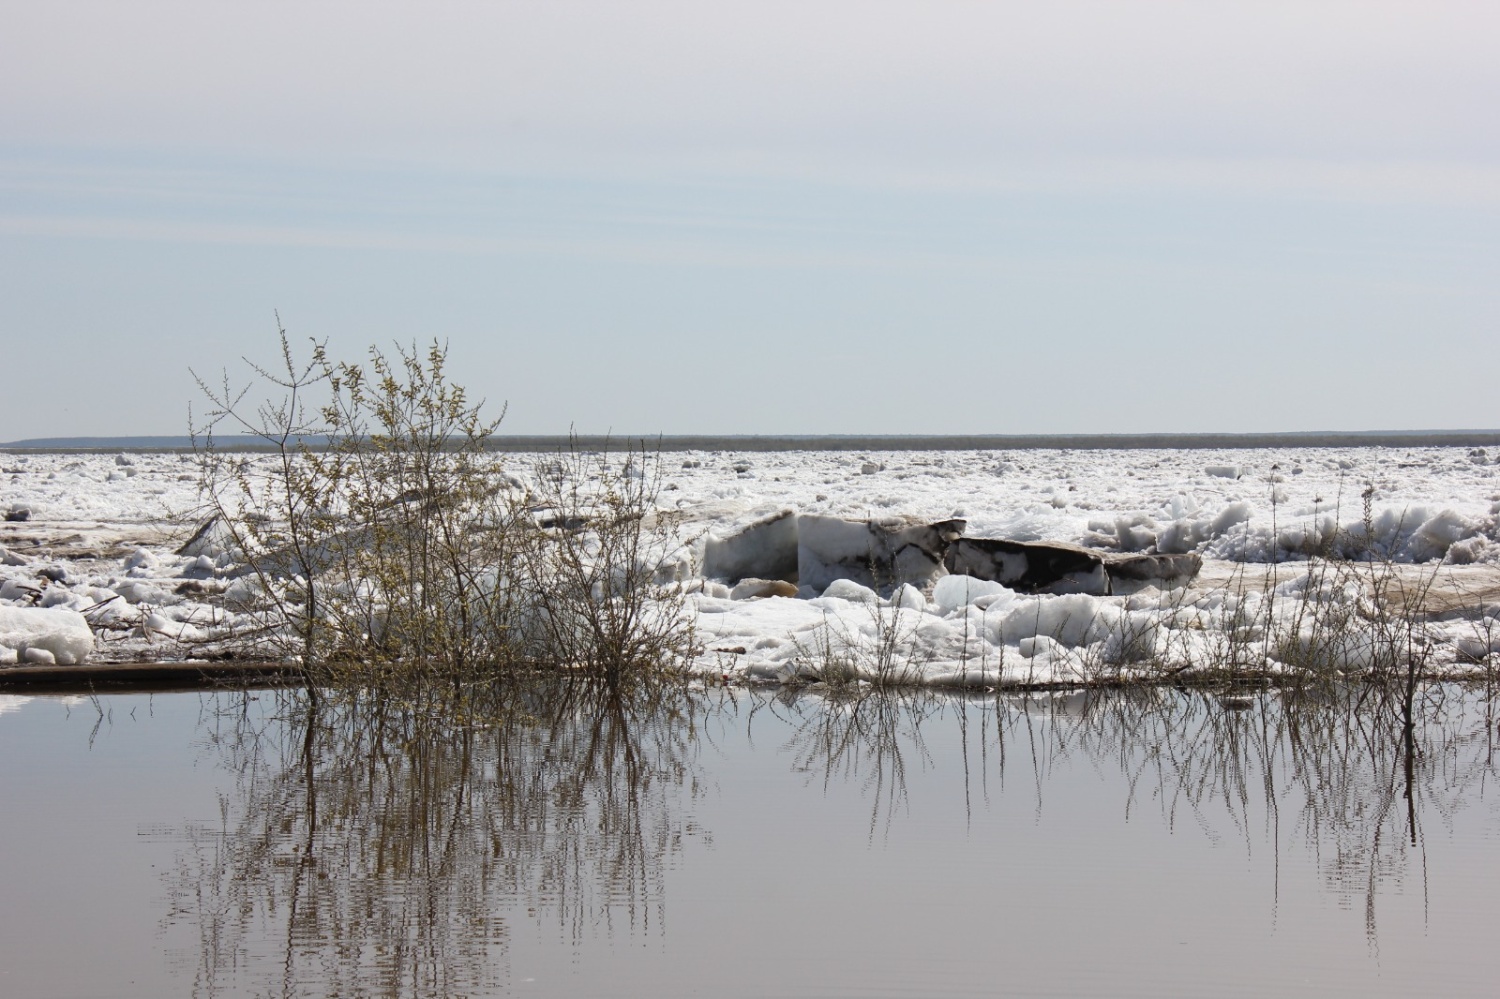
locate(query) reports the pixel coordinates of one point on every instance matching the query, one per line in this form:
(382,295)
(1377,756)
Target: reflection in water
(1351,770)
(374,845)
(379,848)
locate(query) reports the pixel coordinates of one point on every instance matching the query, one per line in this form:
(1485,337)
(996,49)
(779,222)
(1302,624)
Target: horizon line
(836,442)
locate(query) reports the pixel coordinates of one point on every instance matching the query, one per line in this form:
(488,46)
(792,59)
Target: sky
(778,218)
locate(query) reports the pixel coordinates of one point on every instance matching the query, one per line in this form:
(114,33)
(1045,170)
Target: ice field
(91,566)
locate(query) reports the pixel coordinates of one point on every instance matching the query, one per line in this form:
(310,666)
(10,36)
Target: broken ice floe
(891,594)
(44,635)
(816,551)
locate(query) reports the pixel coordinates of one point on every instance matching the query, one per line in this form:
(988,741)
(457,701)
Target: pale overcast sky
(853,217)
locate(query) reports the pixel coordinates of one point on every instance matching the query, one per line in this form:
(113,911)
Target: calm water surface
(745,844)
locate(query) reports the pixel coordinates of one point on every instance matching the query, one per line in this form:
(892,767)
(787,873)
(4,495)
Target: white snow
(1434,510)
(952,592)
(44,635)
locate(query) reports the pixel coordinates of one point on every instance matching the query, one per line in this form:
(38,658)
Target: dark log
(147,676)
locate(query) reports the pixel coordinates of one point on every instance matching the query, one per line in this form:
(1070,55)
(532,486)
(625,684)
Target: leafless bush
(606,566)
(382,534)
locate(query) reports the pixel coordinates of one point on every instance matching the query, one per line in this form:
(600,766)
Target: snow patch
(34,633)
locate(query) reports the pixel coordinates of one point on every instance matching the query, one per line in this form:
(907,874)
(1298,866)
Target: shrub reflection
(373,843)
(385,846)
(1353,770)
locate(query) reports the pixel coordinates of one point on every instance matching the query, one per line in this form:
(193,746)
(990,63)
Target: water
(1158,843)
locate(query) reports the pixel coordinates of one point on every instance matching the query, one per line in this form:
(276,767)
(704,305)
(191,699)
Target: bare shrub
(606,566)
(383,534)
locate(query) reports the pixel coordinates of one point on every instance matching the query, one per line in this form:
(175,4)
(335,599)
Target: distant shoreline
(849,442)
